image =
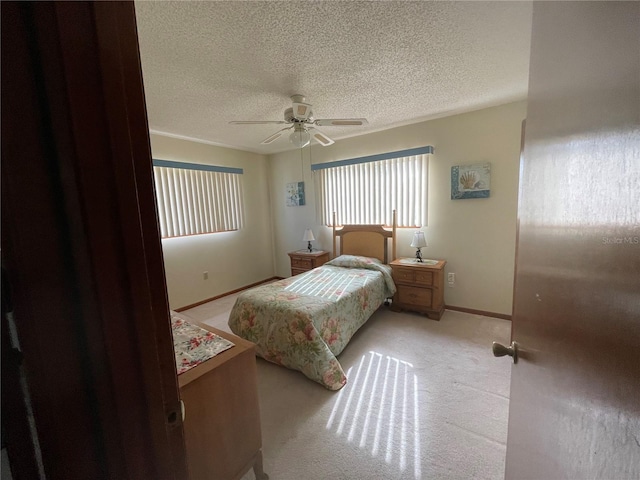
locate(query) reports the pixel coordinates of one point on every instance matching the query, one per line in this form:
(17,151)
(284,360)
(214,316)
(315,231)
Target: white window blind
(366,190)
(194,199)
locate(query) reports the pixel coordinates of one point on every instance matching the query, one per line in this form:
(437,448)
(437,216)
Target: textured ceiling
(392,62)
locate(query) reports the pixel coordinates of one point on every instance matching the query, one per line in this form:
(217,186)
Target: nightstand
(222,431)
(303,261)
(420,287)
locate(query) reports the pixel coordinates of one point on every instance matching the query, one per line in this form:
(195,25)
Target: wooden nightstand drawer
(424,278)
(403,275)
(305,263)
(412,276)
(414,296)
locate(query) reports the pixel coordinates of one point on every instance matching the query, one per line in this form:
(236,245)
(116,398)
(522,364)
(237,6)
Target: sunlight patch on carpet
(380,410)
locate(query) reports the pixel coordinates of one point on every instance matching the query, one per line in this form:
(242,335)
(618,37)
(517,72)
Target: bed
(304,322)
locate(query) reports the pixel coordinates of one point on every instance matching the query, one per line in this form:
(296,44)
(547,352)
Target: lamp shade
(418,240)
(308,235)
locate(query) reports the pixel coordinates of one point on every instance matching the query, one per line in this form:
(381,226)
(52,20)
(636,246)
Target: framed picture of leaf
(295,194)
(470,181)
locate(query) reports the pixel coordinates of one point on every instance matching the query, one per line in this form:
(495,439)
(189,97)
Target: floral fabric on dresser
(194,345)
(304,322)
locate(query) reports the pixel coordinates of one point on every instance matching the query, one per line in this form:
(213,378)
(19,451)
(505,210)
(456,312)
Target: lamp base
(309,247)
(419,256)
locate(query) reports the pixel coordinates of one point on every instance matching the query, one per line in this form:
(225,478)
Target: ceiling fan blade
(275,136)
(320,137)
(340,122)
(257,122)
(301,111)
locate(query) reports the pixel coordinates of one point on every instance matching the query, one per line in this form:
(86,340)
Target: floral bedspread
(194,345)
(304,322)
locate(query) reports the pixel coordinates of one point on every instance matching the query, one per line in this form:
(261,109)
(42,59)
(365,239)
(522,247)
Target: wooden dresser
(222,415)
(303,261)
(420,287)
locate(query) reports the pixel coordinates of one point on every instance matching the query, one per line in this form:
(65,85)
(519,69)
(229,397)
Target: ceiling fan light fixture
(300,117)
(300,137)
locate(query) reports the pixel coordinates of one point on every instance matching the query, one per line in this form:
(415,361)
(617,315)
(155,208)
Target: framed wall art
(295,194)
(470,181)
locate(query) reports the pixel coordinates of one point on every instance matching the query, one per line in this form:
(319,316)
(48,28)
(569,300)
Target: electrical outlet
(205,275)
(451,278)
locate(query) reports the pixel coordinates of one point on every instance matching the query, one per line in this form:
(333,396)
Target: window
(366,190)
(195,199)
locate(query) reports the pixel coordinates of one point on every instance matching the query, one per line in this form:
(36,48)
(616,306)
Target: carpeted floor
(424,399)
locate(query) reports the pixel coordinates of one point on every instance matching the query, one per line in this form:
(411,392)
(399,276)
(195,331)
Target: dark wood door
(81,246)
(575,391)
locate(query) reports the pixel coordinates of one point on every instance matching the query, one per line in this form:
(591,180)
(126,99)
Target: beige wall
(475,236)
(233,259)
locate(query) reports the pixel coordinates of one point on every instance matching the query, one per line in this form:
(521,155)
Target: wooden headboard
(365,240)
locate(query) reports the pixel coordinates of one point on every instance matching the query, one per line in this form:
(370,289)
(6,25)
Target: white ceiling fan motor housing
(289,117)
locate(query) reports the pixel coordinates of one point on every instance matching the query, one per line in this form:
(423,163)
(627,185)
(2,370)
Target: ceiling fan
(300,119)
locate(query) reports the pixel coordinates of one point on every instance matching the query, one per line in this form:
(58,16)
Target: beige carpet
(424,399)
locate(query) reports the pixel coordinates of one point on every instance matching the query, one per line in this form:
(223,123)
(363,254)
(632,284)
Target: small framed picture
(295,194)
(470,181)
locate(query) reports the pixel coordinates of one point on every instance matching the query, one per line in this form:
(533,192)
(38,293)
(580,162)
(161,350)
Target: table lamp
(418,242)
(308,237)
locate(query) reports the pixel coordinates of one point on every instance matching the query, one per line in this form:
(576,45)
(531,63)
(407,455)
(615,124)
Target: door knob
(500,350)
